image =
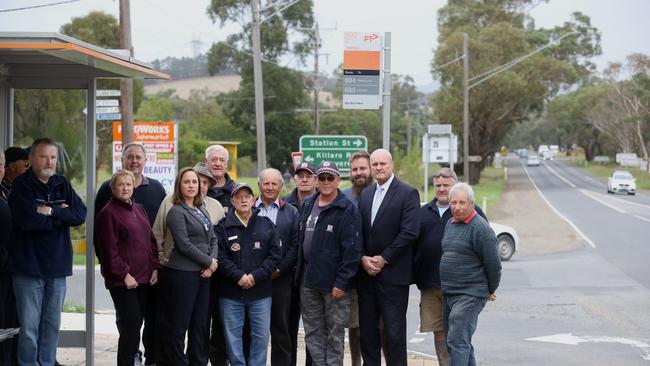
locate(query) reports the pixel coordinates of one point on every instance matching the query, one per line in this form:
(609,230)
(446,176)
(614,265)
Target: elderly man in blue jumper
(470,270)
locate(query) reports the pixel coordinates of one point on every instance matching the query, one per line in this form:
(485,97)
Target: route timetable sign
(336,148)
(361,70)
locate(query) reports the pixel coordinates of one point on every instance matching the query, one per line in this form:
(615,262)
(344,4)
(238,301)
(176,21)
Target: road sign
(109,116)
(296,158)
(361,70)
(108,93)
(336,148)
(102,110)
(107,102)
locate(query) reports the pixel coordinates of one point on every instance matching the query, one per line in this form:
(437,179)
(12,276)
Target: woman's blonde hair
(121,173)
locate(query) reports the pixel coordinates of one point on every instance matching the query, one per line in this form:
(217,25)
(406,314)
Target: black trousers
(187,310)
(282,345)
(130,306)
(8,319)
(388,303)
(215,338)
(150,327)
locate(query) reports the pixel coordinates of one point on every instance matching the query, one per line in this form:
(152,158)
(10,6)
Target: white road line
(559,176)
(612,197)
(602,202)
(592,179)
(642,218)
(591,243)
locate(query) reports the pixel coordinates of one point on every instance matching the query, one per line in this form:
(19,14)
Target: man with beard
(43,206)
(361,178)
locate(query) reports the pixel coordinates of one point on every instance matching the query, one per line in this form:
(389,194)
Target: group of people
(214,272)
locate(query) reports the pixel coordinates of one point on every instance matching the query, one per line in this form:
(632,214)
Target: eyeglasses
(329,178)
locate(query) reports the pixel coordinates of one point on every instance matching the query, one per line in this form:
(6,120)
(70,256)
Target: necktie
(376,202)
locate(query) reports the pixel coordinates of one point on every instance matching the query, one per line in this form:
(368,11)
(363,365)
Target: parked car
(621,181)
(532,160)
(507,240)
(547,155)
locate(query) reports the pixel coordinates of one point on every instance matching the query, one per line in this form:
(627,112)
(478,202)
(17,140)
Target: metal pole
(465,110)
(316,81)
(126,84)
(387,88)
(91,131)
(259,89)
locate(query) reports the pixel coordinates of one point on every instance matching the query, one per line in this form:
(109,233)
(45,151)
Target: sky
(162,28)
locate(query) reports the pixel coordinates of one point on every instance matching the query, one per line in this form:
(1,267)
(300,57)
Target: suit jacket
(194,246)
(394,232)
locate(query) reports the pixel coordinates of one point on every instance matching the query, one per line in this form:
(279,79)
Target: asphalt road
(586,307)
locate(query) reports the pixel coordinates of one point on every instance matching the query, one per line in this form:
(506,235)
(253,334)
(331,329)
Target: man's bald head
(381,165)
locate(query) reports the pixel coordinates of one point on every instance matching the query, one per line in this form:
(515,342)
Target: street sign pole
(387,89)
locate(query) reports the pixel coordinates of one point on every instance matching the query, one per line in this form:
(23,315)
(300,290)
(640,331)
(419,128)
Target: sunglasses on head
(443,175)
(329,178)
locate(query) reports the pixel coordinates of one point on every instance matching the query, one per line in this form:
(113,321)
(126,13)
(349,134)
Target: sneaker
(137,358)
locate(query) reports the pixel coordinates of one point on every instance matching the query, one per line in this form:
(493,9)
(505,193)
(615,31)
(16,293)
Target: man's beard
(356,189)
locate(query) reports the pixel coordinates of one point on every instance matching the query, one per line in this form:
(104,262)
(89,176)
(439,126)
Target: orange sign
(147,131)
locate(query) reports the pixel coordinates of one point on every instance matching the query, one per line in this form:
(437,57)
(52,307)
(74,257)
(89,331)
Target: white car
(507,240)
(533,160)
(621,181)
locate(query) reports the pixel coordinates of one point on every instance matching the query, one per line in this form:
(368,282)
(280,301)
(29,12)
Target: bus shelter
(55,61)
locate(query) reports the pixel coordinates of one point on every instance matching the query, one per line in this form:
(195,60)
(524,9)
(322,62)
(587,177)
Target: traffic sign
(102,110)
(108,93)
(361,70)
(336,148)
(107,102)
(109,116)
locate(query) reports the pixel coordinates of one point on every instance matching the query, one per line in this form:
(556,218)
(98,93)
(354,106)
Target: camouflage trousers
(324,320)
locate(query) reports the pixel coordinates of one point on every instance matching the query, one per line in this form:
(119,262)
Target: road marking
(642,218)
(612,197)
(416,340)
(584,237)
(559,176)
(570,339)
(592,179)
(593,197)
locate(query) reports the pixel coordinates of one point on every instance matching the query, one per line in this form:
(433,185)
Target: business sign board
(361,70)
(318,148)
(160,139)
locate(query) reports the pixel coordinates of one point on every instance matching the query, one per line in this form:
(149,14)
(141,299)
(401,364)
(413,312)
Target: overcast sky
(162,28)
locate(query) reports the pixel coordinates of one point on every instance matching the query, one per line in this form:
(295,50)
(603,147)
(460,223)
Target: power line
(38,6)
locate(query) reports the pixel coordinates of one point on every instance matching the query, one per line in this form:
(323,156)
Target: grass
(73,308)
(605,170)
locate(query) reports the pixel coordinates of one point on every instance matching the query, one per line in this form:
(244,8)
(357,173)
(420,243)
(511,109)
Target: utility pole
(465,110)
(317,44)
(388,83)
(259,90)
(126,84)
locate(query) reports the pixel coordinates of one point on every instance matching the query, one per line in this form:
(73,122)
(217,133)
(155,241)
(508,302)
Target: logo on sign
(370,37)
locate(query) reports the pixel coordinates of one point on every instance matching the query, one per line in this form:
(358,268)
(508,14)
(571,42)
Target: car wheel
(505,246)
(631,193)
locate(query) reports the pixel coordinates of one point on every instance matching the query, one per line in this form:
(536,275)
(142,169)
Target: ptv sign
(336,148)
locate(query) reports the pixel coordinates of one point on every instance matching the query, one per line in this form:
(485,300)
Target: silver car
(621,181)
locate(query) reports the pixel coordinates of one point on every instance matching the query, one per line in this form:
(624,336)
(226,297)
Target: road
(583,307)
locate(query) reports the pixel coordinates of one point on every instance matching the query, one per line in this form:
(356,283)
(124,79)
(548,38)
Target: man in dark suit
(391,221)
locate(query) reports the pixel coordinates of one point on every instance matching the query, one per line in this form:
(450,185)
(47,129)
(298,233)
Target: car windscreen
(623,176)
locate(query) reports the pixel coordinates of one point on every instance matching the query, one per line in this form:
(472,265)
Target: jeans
(324,320)
(258,313)
(461,318)
(39,302)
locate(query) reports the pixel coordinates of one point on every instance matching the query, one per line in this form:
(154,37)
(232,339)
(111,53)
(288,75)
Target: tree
(499,32)
(286,32)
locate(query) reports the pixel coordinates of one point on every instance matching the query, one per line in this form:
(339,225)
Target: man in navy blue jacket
(328,260)
(44,207)
(426,264)
(285,218)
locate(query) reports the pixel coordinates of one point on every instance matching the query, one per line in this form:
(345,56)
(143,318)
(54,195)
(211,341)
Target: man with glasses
(328,260)
(426,264)
(16,163)
(216,158)
(149,193)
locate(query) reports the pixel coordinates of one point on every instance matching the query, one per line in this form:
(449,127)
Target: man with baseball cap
(328,260)
(16,163)
(305,184)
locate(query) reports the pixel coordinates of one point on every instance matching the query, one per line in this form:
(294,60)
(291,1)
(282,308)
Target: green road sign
(336,148)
